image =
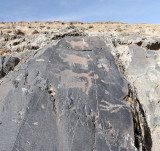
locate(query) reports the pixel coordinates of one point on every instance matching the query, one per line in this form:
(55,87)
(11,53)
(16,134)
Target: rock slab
(70,98)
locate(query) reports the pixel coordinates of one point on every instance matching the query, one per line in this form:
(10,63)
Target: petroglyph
(69,79)
(72,59)
(80,44)
(110,107)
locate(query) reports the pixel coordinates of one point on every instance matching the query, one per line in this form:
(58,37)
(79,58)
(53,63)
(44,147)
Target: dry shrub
(35,32)
(91,26)
(19,32)
(9,31)
(42,26)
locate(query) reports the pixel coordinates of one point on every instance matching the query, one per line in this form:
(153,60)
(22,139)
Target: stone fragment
(7,64)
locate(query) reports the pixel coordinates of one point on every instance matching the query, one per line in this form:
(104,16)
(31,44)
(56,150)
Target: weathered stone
(10,63)
(142,69)
(65,99)
(7,64)
(150,43)
(137,58)
(20,42)
(2,74)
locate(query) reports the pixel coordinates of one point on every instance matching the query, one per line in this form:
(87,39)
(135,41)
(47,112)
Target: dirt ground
(28,28)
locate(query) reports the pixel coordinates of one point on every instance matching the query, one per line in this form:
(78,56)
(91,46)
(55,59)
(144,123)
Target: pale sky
(128,11)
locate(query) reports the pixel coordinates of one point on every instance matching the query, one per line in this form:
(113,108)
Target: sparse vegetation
(19,32)
(91,26)
(35,32)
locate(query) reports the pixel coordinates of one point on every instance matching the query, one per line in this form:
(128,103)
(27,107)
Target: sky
(128,11)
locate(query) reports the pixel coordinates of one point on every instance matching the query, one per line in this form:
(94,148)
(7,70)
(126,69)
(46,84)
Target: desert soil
(28,28)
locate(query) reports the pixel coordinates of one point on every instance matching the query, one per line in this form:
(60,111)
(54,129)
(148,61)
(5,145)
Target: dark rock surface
(7,63)
(69,98)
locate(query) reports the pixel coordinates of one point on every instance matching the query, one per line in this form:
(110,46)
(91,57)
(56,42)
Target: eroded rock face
(68,98)
(71,96)
(11,44)
(7,63)
(141,67)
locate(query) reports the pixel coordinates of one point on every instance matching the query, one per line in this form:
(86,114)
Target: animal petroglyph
(72,59)
(77,80)
(110,107)
(80,44)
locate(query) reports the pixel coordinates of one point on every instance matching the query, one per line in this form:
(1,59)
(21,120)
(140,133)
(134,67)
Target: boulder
(7,63)
(70,97)
(140,66)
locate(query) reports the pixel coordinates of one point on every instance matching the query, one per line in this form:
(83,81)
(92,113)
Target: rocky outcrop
(7,63)
(10,44)
(140,67)
(71,97)
(80,92)
(149,43)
